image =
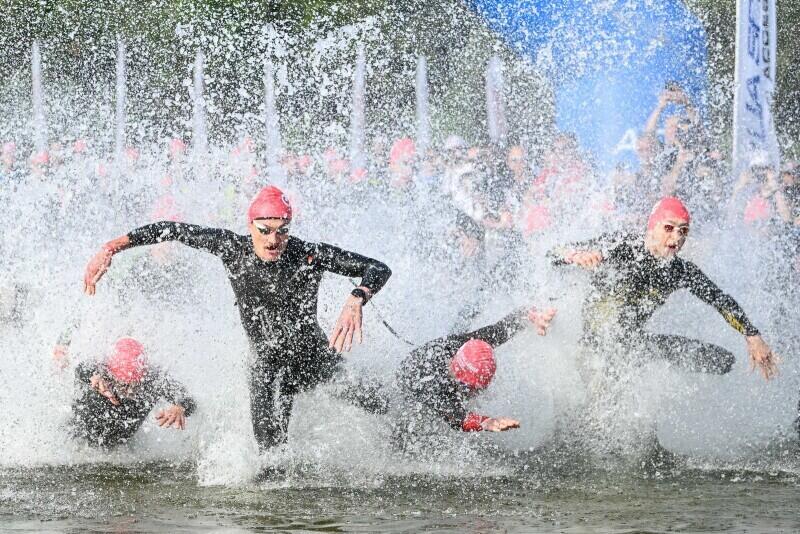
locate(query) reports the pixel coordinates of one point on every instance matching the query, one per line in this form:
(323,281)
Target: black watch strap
(360,293)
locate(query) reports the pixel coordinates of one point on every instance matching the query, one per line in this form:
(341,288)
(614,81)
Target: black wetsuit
(425,379)
(631,284)
(103,424)
(278,307)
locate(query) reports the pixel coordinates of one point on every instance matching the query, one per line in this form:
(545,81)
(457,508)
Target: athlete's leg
(367,394)
(686,353)
(270,405)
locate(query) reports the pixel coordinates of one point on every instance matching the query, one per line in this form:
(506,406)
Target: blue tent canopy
(608,61)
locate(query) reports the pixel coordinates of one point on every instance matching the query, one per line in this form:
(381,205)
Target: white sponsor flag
(753,127)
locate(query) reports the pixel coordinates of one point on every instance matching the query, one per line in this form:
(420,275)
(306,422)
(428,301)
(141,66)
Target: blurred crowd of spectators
(524,190)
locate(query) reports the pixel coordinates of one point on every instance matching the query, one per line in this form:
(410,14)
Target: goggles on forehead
(266,230)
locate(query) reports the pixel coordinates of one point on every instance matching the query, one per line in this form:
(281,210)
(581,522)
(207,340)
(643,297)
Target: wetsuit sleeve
(494,334)
(374,274)
(65,338)
(468,227)
(472,422)
(217,241)
(605,243)
(174,392)
(703,288)
(452,411)
(83,372)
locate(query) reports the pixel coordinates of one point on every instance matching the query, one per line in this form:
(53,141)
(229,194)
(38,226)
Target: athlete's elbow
(381,270)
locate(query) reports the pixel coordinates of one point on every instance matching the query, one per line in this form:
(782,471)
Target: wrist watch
(360,293)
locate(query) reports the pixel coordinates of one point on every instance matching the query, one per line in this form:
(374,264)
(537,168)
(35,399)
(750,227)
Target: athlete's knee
(718,360)
(268,436)
(727,359)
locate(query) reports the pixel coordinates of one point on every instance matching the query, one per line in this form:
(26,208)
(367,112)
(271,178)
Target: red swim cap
(127,362)
(667,207)
(269,203)
(402,151)
(757,210)
(537,219)
(474,364)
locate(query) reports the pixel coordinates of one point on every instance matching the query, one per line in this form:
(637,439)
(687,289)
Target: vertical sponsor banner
(753,127)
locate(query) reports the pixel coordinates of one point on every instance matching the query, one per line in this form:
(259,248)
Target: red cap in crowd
(474,364)
(756,210)
(176,147)
(269,203)
(127,362)
(667,207)
(165,209)
(402,151)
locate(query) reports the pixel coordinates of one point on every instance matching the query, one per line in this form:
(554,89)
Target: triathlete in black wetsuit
(439,378)
(637,275)
(114,397)
(275,280)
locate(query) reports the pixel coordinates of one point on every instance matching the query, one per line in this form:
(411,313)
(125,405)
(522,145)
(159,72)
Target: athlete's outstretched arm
(214,240)
(181,404)
(703,288)
(503,330)
(374,274)
(587,254)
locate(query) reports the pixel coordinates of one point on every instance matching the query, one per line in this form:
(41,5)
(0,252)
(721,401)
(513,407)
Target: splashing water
(357,159)
(495,107)
(178,301)
(423,129)
(120,119)
(199,126)
(271,124)
(37,96)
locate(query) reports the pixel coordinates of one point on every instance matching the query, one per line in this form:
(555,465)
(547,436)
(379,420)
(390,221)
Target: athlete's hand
(499,424)
(348,325)
(61,356)
(98,384)
(172,416)
(541,319)
(469,246)
(97,267)
(99,264)
(588,259)
(762,356)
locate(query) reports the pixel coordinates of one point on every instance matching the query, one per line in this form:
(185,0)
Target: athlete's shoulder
(621,246)
(687,265)
(85,370)
(300,250)
(628,238)
(239,239)
(232,244)
(686,270)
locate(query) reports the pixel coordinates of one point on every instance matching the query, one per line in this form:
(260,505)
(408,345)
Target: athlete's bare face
(667,237)
(270,237)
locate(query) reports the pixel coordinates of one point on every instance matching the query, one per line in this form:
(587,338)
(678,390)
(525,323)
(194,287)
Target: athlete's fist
(588,259)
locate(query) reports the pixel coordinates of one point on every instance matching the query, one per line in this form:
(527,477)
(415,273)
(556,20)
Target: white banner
(753,128)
